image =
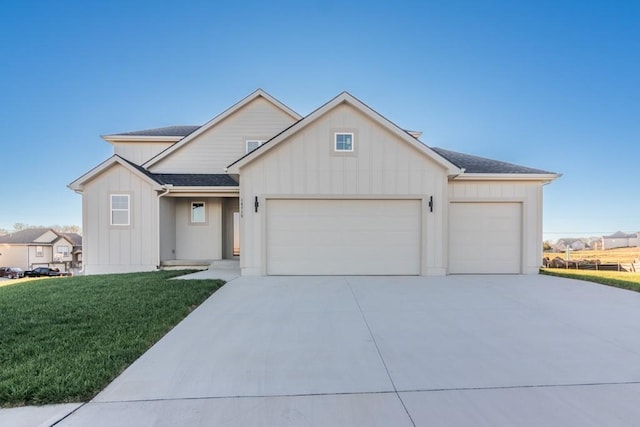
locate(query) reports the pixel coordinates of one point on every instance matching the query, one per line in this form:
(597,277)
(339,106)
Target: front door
(230,228)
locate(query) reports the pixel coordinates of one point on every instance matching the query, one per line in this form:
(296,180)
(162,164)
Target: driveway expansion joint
(375,343)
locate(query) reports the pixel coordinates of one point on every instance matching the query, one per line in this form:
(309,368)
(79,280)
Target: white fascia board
(200,189)
(203,191)
(505,177)
(140,138)
(78,184)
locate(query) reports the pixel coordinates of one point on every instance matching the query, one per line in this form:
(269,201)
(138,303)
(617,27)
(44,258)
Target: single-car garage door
(485,238)
(350,237)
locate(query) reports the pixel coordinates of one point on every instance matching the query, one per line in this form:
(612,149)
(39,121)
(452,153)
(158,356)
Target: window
(63,251)
(39,251)
(343,141)
(252,144)
(120,209)
(198,215)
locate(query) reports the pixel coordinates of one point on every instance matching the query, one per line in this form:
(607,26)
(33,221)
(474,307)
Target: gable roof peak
(258,93)
(363,108)
(28,235)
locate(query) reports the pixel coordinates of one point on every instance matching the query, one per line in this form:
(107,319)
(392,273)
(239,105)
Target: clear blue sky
(548,84)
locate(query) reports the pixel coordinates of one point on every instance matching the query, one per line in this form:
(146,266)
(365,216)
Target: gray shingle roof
(164,131)
(188,179)
(74,238)
(195,180)
(620,235)
(28,235)
(475,164)
(23,236)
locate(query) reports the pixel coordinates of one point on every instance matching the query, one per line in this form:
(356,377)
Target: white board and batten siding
(119,249)
(305,170)
(495,227)
(224,143)
(139,152)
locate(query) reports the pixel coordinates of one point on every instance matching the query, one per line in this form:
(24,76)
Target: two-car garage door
(343,237)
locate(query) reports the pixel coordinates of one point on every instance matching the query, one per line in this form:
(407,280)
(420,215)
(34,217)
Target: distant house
(35,247)
(620,240)
(575,244)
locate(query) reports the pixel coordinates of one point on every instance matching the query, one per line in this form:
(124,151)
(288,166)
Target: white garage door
(350,237)
(485,238)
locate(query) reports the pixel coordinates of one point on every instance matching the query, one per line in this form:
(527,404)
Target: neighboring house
(620,240)
(575,244)
(35,247)
(340,191)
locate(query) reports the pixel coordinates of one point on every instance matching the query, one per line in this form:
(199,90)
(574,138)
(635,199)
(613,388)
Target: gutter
(462,171)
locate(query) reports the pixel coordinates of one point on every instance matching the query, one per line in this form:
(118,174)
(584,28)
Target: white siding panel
(199,241)
(329,237)
(225,143)
(112,249)
(381,166)
(139,152)
(485,238)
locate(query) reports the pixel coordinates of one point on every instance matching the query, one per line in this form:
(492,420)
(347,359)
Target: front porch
(198,230)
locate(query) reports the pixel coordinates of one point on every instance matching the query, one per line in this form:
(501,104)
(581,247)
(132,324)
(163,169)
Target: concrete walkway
(389,351)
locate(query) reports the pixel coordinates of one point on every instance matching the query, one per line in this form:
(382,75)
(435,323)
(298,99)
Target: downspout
(167,189)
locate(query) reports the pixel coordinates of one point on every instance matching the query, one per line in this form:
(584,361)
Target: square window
(120,209)
(343,142)
(252,144)
(198,213)
(63,250)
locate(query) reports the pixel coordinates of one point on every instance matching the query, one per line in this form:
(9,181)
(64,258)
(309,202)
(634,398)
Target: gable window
(198,213)
(39,251)
(252,144)
(343,141)
(120,209)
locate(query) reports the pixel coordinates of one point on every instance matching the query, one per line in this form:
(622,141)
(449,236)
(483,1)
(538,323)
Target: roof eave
(140,138)
(78,184)
(203,189)
(539,177)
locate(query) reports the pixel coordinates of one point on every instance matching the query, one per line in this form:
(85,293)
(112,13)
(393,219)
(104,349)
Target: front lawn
(619,279)
(65,339)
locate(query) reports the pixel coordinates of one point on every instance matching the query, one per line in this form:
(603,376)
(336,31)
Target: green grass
(65,339)
(619,279)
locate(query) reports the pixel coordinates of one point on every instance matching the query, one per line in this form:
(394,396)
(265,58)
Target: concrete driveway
(389,351)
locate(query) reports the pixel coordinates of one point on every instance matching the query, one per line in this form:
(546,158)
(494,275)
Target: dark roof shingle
(23,236)
(195,179)
(475,164)
(182,130)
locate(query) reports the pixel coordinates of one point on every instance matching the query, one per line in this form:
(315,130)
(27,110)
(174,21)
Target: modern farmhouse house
(342,191)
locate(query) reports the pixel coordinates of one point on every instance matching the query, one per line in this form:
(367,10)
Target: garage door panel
(485,238)
(364,237)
